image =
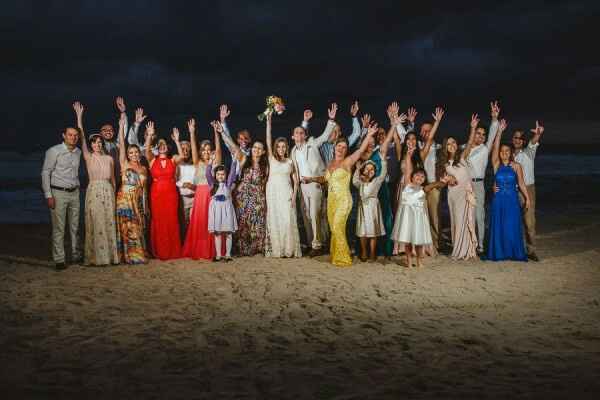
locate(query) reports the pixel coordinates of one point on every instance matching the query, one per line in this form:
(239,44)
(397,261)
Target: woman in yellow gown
(339,199)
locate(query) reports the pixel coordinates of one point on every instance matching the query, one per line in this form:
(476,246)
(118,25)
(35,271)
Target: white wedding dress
(283,239)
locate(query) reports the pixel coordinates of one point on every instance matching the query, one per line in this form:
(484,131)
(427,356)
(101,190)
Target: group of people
(376,191)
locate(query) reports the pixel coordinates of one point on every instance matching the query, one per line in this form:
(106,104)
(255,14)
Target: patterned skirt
(100,226)
(131,220)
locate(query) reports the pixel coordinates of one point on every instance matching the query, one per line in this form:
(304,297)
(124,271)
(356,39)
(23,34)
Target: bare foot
(419,262)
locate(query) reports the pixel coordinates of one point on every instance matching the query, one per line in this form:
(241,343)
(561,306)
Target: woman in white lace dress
(283,239)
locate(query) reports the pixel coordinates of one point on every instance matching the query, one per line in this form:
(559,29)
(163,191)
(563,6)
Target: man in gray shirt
(60,183)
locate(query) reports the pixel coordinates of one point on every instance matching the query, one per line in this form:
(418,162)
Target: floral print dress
(250,203)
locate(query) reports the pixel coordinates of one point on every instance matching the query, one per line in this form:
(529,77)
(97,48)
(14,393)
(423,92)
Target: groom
(309,164)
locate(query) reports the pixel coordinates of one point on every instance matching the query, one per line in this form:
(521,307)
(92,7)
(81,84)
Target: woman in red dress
(164,199)
(199,242)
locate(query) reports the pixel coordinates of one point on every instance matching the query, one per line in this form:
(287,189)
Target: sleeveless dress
(369,222)
(199,242)
(164,203)
(250,204)
(283,238)
(339,204)
(131,218)
(100,225)
(506,231)
(461,203)
(412,223)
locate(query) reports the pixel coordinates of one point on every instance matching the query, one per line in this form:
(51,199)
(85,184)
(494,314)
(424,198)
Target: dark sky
(540,59)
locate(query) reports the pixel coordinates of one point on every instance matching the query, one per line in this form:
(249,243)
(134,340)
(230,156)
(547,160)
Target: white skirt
(412,225)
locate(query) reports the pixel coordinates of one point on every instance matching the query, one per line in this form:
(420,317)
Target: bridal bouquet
(274,104)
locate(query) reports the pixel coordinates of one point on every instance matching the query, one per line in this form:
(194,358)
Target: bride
(283,239)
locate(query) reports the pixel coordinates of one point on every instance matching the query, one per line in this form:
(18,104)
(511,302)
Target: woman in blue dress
(506,231)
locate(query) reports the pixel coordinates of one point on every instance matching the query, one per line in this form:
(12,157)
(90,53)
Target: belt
(477,179)
(65,189)
(189,196)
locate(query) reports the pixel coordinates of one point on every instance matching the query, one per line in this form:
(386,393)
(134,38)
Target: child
(222,221)
(369,222)
(411,227)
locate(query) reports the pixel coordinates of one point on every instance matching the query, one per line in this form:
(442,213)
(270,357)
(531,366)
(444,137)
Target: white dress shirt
(429,162)
(479,156)
(61,168)
(526,158)
(186,174)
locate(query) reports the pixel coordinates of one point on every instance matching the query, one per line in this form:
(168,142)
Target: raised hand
(150,129)
(78,107)
(217,127)
(412,114)
(372,129)
(308,114)
(191,124)
(410,149)
(538,130)
(366,120)
(354,109)
(502,126)
(438,114)
(399,119)
(392,111)
(120,102)
(474,121)
(224,112)
(332,111)
(495,109)
(139,115)
(175,135)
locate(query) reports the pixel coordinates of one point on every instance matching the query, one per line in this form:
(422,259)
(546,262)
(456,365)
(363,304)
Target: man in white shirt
(309,164)
(526,157)
(186,175)
(60,183)
(477,154)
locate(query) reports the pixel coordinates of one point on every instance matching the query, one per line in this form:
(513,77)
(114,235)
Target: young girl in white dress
(369,219)
(411,227)
(222,221)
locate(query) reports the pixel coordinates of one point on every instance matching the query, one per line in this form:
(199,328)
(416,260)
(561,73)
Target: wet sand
(261,328)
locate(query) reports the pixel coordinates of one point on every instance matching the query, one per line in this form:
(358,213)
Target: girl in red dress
(164,199)
(199,242)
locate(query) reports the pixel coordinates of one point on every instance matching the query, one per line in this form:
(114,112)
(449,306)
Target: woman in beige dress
(100,226)
(452,170)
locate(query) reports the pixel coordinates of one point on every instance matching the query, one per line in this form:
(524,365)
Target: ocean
(563,181)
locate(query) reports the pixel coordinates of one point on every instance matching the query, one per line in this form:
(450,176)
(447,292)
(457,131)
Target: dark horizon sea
(564,181)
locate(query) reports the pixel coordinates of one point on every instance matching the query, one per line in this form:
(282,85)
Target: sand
(302,329)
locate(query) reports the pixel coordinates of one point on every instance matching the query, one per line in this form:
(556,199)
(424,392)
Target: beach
(303,329)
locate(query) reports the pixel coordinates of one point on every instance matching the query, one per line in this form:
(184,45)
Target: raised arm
(175,136)
(148,143)
(537,134)
(496,146)
(437,117)
(218,149)
(329,127)
(232,174)
(471,141)
(224,112)
(269,135)
(191,124)
(78,107)
(308,114)
(122,149)
(120,103)
(494,112)
(349,161)
(356,131)
(411,117)
(133,134)
(385,146)
(232,146)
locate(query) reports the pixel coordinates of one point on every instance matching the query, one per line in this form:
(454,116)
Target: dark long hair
(442,157)
(417,162)
(215,187)
(263,162)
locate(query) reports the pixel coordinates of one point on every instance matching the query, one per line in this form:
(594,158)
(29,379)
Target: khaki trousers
(433,208)
(312,197)
(66,207)
(529,219)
